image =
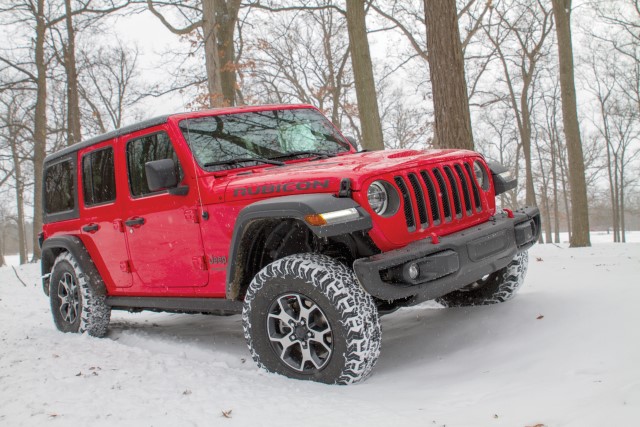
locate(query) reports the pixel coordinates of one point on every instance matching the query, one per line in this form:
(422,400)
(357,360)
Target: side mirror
(161,174)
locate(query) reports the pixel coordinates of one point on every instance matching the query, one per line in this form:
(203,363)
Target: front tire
(77,304)
(306,317)
(498,287)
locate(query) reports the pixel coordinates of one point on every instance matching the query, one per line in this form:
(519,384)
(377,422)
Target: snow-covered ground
(565,352)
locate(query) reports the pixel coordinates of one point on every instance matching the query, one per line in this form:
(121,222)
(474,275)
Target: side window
(146,149)
(98,177)
(59,188)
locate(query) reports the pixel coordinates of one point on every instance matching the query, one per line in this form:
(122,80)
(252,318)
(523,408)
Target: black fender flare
(293,207)
(53,246)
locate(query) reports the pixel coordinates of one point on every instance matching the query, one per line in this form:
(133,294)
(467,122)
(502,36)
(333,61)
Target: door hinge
(200,262)
(125,266)
(191,215)
(118,225)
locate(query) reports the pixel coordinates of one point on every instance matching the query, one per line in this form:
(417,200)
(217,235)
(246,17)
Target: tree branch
(174,30)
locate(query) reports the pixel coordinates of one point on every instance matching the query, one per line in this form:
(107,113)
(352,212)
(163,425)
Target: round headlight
(481,175)
(378,197)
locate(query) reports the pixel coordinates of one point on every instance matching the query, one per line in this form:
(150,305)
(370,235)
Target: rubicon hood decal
(289,187)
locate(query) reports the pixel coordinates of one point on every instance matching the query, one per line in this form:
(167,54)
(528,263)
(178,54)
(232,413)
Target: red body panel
(175,254)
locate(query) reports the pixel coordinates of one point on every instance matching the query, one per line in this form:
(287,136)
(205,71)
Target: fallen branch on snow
(21,281)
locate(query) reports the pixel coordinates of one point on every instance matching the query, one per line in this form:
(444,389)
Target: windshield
(215,140)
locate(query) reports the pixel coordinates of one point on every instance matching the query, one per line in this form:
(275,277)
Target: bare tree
(363,76)
(88,12)
(366,94)
(302,56)
(213,23)
(579,202)
(15,129)
(404,125)
(518,31)
(74,133)
(550,103)
(500,143)
(446,67)
(109,86)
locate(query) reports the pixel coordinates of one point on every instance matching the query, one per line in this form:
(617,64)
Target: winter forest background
(72,69)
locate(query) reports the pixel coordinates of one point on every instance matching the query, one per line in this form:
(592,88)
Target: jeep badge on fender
(269,212)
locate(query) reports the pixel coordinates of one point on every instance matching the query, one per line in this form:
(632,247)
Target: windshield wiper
(244,160)
(303,153)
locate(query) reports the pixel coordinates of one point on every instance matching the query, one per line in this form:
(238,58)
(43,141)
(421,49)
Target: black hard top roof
(106,136)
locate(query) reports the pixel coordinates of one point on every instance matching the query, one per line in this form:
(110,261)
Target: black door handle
(91,228)
(134,222)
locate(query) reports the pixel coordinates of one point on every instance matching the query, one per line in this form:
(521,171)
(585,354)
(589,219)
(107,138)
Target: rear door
(165,242)
(101,203)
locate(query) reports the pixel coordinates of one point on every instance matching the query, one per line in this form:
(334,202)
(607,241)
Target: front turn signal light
(334,217)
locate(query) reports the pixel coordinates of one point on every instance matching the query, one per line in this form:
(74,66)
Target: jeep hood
(322,176)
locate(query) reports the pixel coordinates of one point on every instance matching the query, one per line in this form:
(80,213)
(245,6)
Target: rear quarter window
(60,198)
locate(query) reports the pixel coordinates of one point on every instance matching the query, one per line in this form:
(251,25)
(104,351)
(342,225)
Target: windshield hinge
(345,188)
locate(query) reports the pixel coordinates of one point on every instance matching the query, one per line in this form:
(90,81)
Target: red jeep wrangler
(270,212)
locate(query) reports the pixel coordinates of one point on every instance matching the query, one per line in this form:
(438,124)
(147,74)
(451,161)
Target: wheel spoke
(308,356)
(63,289)
(301,307)
(69,298)
(283,317)
(74,311)
(65,312)
(319,337)
(284,341)
(305,312)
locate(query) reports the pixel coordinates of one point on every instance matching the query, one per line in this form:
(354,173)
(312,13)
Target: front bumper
(454,262)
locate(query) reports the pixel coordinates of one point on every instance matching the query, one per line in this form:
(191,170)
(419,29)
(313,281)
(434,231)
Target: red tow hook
(509,212)
(434,238)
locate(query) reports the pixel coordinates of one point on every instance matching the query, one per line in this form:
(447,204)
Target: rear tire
(498,287)
(305,316)
(77,304)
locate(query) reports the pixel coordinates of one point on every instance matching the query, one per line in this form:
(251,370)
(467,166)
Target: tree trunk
(363,76)
(517,176)
(544,199)
(40,125)
(530,199)
(446,68)
(613,191)
(554,177)
(565,195)
(226,15)
(333,72)
(3,227)
(579,203)
(623,232)
(17,171)
(211,55)
(74,131)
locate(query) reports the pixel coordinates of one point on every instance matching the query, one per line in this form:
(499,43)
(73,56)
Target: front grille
(422,206)
(465,189)
(474,185)
(444,194)
(438,195)
(433,198)
(454,190)
(406,201)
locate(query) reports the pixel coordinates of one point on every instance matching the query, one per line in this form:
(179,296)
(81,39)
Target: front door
(165,242)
